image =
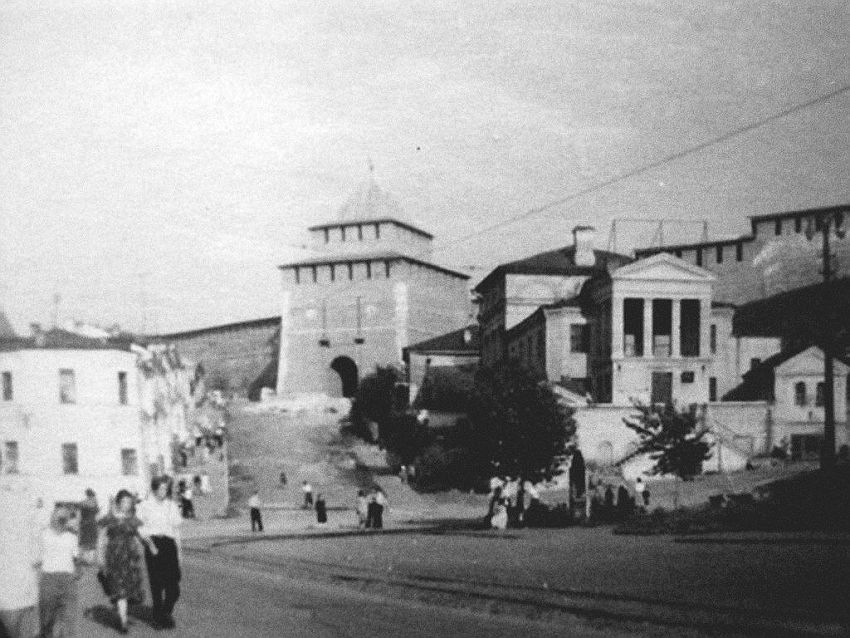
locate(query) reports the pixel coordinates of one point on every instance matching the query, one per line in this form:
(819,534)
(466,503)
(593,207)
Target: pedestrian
(380,506)
(57,601)
(321,510)
(308,495)
(188,504)
(499,520)
(362,509)
(19,540)
(402,474)
(256,516)
(283,479)
(120,571)
(89,509)
(161,520)
(510,492)
(371,509)
(640,488)
(496,487)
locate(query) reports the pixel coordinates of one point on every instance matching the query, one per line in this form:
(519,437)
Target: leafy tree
(517,424)
(674,439)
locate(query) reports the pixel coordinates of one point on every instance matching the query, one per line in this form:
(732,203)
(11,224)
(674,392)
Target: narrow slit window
(719,256)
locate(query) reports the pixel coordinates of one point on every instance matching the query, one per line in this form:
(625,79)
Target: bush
(440,469)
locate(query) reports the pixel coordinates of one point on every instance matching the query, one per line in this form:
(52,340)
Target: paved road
(227,600)
(802,579)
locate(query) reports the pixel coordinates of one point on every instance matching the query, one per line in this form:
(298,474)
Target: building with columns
(370,292)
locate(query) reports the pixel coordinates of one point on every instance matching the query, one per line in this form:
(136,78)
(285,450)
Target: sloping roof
(451,342)
(555,262)
(57,339)
(369,201)
(383,255)
(791,313)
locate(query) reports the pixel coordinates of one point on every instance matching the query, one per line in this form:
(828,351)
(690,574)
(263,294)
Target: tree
(518,426)
(673,439)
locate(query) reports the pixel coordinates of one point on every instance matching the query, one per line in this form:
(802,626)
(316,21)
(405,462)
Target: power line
(651,165)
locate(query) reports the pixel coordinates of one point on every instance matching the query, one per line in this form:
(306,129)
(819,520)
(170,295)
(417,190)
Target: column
(647,327)
(617,328)
(675,329)
(705,328)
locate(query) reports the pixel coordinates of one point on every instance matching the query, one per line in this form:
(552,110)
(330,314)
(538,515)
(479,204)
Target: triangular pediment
(809,362)
(664,267)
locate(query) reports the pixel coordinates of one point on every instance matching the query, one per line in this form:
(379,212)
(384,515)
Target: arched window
(820,390)
(800,397)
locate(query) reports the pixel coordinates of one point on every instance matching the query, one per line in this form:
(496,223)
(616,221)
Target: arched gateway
(347,371)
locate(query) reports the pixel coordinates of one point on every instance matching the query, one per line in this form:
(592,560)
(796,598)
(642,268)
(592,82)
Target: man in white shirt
(161,520)
(256,516)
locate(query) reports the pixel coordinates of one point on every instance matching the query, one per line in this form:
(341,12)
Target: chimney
(38,334)
(583,237)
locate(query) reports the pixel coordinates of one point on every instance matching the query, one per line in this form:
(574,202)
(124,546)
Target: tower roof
(369,201)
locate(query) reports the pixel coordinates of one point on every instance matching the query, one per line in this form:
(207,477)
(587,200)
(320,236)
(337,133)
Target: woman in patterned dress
(120,556)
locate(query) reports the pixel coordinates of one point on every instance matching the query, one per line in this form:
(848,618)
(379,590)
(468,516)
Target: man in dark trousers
(160,530)
(256,516)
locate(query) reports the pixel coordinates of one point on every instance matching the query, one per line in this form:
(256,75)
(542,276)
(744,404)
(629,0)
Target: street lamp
(824,223)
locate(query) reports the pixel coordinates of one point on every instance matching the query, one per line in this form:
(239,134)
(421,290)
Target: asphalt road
(226,599)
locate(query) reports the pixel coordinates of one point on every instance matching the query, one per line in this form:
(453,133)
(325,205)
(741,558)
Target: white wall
(99,425)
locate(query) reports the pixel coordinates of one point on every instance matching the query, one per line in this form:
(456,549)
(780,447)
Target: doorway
(347,371)
(662,388)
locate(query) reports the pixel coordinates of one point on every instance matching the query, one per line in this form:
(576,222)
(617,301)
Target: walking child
(57,603)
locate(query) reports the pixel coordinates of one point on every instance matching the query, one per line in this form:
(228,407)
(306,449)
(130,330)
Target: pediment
(809,362)
(663,267)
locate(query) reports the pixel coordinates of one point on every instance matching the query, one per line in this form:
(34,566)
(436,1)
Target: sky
(159,158)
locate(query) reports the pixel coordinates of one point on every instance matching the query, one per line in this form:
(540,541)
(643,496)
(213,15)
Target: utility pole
(825,223)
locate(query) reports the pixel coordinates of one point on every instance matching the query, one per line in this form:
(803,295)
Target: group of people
(42,564)
(370,508)
(511,499)
(255,504)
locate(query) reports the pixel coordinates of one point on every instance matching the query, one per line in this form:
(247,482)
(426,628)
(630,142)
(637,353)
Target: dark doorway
(347,371)
(662,387)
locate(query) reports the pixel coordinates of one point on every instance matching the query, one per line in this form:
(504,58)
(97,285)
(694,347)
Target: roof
(57,339)
(376,220)
(250,323)
(384,255)
(451,342)
(555,262)
(654,250)
(792,312)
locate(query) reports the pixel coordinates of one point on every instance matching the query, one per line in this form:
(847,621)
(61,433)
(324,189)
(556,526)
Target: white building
(71,416)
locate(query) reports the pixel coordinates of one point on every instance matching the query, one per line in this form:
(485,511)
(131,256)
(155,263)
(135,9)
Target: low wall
(747,423)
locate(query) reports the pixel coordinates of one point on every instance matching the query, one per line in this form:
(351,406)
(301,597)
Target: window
(719,256)
(712,338)
(368,270)
(122,388)
(689,328)
(712,388)
(377,231)
(359,232)
(578,338)
(800,397)
(820,394)
(327,235)
(387,269)
(739,251)
(699,256)
(342,232)
(687,376)
(333,272)
(10,458)
(315,272)
(69,459)
(129,462)
(350,271)
(662,327)
(633,327)
(67,386)
(777,227)
(7,386)
(798,224)
(754,362)
(678,253)
(297,275)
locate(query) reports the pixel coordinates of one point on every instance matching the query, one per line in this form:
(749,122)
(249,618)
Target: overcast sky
(168,154)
